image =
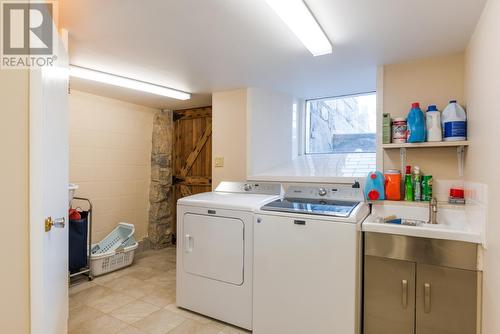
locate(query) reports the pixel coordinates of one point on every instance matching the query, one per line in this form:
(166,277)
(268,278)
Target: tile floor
(139,299)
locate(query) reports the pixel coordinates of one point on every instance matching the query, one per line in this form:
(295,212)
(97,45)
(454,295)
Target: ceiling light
(115,80)
(300,20)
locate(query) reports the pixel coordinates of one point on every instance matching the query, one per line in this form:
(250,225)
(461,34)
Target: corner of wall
(380,112)
(482,77)
(229,138)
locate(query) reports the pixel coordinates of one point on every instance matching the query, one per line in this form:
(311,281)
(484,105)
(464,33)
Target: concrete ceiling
(202,46)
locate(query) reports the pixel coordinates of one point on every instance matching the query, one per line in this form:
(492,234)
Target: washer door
(214,247)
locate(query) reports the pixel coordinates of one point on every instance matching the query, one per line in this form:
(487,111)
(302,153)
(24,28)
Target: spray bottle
(417,184)
(408,185)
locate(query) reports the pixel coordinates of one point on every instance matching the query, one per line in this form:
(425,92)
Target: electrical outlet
(219,161)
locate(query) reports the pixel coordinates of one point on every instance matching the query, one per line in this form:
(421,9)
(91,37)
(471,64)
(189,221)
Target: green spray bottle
(408,185)
(417,184)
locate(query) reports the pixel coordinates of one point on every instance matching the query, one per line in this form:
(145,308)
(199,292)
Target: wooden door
(192,152)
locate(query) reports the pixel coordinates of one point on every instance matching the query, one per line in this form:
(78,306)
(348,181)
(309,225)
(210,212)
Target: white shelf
(459,145)
(423,204)
(426,144)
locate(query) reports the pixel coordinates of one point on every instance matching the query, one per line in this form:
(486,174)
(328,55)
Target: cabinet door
(389,296)
(446,300)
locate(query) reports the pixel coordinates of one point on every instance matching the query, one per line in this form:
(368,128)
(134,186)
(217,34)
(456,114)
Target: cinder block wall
(110,159)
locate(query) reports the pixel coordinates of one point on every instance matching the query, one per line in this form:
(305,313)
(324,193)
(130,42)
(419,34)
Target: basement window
(344,126)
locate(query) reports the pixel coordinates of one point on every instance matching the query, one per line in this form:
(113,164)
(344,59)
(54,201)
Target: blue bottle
(416,124)
(375,186)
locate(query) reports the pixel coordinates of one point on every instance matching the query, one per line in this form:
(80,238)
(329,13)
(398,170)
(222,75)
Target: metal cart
(87,270)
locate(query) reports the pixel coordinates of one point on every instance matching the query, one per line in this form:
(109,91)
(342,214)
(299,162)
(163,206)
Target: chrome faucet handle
(433,209)
(434,204)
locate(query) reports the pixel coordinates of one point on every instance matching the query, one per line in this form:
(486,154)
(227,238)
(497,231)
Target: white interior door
(49,196)
(214,247)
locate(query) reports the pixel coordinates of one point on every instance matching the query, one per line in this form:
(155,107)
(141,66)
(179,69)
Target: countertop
(453,222)
(321,168)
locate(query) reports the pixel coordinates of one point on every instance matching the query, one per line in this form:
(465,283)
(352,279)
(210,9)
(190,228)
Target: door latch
(59,223)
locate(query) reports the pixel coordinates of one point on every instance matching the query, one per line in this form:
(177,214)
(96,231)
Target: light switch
(219,161)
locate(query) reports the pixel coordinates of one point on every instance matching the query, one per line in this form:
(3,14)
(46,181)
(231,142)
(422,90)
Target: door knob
(59,223)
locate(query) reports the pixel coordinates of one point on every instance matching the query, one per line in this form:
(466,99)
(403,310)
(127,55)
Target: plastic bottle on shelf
(393,185)
(374,187)
(417,184)
(408,185)
(399,130)
(416,124)
(433,120)
(454,121)
(426,188)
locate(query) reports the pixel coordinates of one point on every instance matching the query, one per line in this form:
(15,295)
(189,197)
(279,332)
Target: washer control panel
(327,192)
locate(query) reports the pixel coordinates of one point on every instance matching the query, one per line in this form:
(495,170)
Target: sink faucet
(433,209)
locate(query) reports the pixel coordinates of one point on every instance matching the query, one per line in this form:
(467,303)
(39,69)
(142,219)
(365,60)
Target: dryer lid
(230,201)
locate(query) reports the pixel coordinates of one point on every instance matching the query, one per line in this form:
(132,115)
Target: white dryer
(307,261)
(215,250)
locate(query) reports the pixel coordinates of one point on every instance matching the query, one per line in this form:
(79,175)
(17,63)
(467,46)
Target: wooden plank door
(192,152)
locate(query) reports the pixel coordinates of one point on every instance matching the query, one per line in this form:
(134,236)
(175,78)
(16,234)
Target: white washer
(307,261)
(214,250)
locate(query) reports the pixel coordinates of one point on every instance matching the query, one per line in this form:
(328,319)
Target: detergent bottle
(454,121)
(433,118)
(374,186)
(416,124)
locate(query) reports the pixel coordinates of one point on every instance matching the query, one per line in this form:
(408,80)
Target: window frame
(306,121)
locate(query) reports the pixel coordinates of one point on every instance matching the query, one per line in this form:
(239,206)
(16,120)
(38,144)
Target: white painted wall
(428,81)
(229,135)
(110,159)
(270,132)
(482,160)
(253,131)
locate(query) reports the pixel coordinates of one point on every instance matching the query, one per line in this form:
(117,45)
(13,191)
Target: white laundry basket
(115,251)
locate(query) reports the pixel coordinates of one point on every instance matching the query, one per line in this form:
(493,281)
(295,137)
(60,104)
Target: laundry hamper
(115,251)
(78,242)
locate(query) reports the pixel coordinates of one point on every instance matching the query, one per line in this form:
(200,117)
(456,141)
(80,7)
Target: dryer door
(214,247)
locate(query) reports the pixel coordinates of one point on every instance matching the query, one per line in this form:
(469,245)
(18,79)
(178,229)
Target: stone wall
(161,212)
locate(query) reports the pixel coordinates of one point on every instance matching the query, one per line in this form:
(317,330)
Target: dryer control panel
(250,188)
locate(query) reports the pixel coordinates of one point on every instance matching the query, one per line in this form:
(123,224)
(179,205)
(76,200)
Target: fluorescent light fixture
(115,80)
(301,22)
